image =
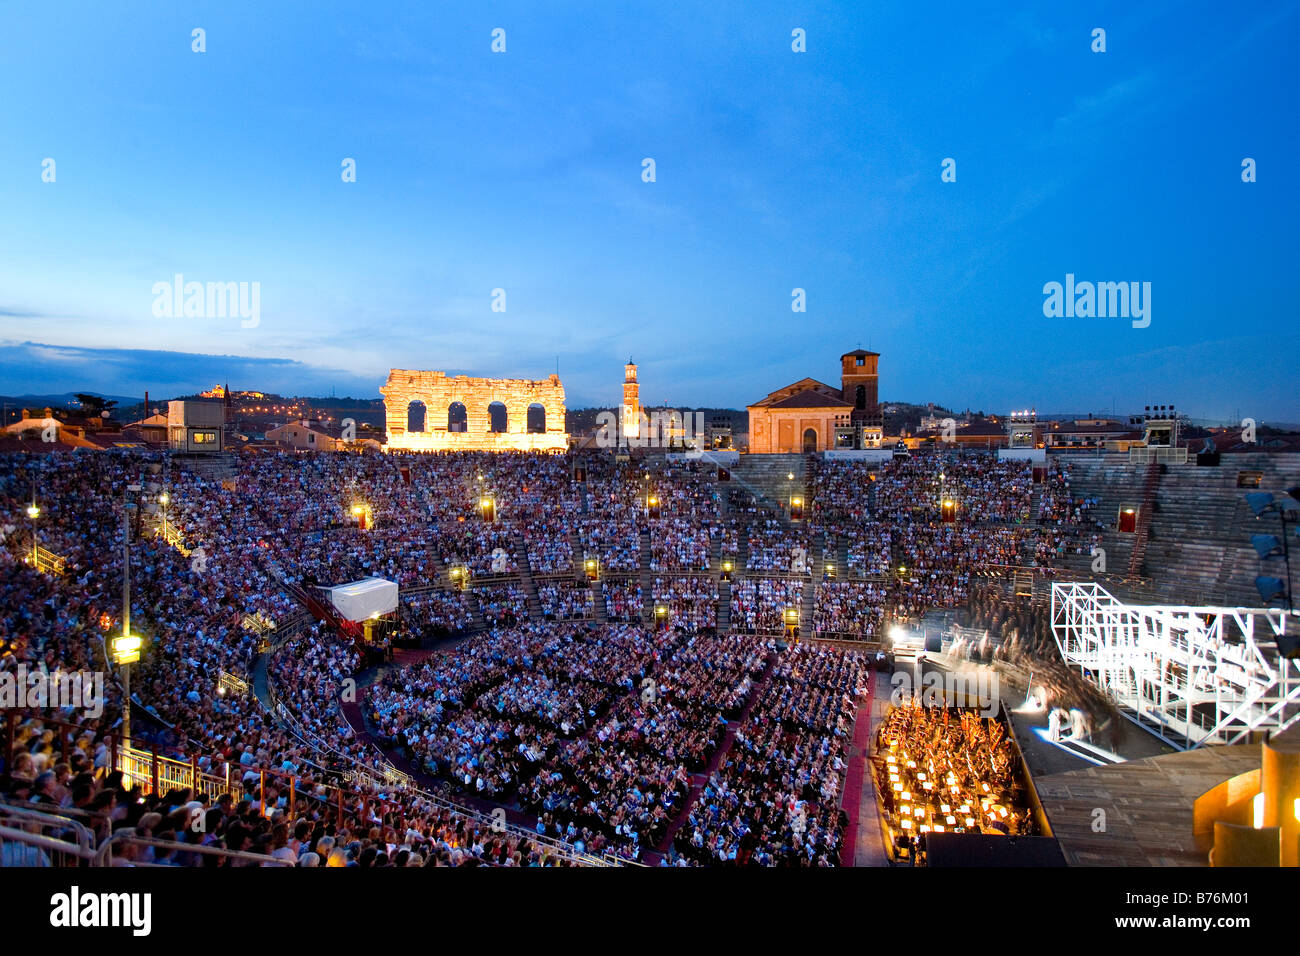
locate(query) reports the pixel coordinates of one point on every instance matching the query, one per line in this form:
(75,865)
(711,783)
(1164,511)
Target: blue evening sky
(775,170)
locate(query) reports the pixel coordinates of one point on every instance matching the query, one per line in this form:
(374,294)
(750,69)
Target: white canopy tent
(364,599)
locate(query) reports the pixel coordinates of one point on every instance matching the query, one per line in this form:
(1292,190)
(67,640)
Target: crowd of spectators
(564,600)
(692,601)
(851,608)
(552,715)
(623,600)
(776,799)
(758,604)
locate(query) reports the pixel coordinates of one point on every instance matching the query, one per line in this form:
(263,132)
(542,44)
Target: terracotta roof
(803,385)
(810,398)
(856,352)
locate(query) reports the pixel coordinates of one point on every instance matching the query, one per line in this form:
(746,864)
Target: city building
(196,427)
(630,421)
(811,416)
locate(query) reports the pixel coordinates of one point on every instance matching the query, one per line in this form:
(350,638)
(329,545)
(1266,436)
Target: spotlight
(1270,589)
(1266,545)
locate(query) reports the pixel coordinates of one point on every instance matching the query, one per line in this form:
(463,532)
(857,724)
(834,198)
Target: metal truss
(1190,675)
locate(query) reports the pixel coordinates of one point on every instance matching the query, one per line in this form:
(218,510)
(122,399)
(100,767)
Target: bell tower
(859,380)
(631,401)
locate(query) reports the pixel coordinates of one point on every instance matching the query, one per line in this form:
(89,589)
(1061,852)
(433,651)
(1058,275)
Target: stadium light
(126,649)
(1266,545)
(1270,589)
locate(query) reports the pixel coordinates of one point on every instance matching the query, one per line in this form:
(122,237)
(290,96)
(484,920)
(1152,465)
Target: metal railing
(34,838)
(30,837)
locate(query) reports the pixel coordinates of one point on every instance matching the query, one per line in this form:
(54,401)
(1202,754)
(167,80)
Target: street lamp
(164,499)
(126,646)
(34,512)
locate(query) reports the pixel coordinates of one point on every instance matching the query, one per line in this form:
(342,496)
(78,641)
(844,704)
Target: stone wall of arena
(438,391)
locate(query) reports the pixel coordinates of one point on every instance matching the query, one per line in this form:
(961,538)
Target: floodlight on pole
(1268,546)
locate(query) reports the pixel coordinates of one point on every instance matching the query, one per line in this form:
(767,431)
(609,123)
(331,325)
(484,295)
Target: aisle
(700,779)
(864,845)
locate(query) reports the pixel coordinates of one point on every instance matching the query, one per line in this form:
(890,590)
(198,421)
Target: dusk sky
(775,170)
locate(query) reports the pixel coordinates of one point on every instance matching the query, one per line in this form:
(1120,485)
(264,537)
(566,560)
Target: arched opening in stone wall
(536,419)
(498,417)
(457,419)
(860,397)
(809,440)
(415,416)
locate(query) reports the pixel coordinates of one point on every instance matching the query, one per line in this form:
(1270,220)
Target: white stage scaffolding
(1190,675)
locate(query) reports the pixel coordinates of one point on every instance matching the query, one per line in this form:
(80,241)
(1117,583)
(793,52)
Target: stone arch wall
(438,391)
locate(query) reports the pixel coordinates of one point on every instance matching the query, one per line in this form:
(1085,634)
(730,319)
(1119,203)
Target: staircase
(214,467)
(724,606)
(764,476)
(647,580)
(526,577)
(807,606)
(1149,486)
(1035,503)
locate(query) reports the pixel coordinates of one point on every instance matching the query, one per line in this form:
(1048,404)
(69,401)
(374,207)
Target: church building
(811,416)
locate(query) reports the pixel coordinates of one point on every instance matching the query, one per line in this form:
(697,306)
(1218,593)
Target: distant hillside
(64,399)
(582,421)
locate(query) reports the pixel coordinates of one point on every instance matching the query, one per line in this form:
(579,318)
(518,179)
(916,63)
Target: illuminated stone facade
(457,414)
(631,423)
(811,416)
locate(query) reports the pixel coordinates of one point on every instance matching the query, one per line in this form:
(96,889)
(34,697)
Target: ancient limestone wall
(438,391)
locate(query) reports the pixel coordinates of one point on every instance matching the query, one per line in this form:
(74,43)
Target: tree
(94,404)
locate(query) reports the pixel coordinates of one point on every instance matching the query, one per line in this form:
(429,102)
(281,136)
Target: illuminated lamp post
(488,508)
(34,512)
(126,646)
(796,509)
(791,615)
(593,569)
(830,571)
(948,510)
(661,616)
(652,506)
(727,568)
(789,489)
(164,500)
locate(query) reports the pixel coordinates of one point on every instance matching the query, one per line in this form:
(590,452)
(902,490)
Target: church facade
(810,416)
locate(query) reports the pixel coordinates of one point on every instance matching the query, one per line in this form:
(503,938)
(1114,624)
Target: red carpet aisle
(854,778)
